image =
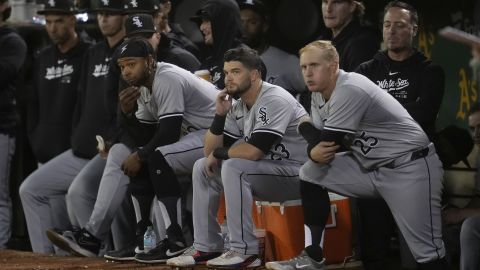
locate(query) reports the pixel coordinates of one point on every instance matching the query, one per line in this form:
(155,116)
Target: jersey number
(365,143)
(280,152)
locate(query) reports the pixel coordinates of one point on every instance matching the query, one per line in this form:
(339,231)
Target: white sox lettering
(59,71)
(392,85)
(101,69)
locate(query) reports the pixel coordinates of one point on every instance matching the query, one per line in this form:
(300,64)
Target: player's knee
(26,189)
(198,171)
(470,228)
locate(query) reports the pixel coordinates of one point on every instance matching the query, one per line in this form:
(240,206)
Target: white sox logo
(51,3)
(263,116)
(134,3)
(137,22)
(105,2)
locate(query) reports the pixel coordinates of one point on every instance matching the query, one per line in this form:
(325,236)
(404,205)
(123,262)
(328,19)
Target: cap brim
(108,10)
(140,32)
(56,11)
(140,11)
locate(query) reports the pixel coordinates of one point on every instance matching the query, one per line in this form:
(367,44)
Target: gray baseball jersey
(276,111)
(379,128)
(382,133)
(177,92)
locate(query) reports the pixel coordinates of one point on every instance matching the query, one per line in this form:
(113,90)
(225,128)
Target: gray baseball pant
(43,195)
(470,244)
(241,180)
(109,199)
(7,149)
(412,191)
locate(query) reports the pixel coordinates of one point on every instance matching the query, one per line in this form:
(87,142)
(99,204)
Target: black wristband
(221,153)
(310,146)
(218,124)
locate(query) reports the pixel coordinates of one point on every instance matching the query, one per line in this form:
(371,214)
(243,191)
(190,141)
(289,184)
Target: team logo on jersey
(137,22)
(134,3)
(58,71)
(263,116)
(105,2)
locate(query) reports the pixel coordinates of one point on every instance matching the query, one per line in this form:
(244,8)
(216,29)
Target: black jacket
(355,44)
(227,31)
(12,55)
(94,113)
(169,53)
(417,83)
(50,112)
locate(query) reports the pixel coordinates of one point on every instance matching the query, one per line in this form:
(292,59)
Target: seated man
(252,149)
(179,103)
(391,157)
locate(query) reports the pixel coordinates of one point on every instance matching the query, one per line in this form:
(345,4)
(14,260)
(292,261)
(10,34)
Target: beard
(142,81)
(241,88)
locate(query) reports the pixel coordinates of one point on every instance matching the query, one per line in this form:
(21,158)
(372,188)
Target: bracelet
(221,153)
(218,124)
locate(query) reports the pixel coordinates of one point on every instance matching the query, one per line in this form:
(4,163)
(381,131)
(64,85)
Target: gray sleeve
(273,115)
(231,123)
(346,109)
(169,95)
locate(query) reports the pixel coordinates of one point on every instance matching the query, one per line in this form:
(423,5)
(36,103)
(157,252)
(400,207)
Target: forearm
(245,150)
(212,142)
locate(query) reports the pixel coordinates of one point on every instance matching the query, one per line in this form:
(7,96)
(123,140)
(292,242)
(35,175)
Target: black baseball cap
(140,6)
(255,5)
(110,6)
(58,7)
(139,23)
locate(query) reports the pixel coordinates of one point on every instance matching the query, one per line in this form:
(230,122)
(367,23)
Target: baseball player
(49,184)
(179,103)
(56,76)
(390,157)
(418,84)
(252,149)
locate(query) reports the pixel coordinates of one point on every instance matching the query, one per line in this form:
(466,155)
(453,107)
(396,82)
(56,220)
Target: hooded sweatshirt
(12,54)
(416,82)
(94,113)
(50,113)
(355,44)
(224,16)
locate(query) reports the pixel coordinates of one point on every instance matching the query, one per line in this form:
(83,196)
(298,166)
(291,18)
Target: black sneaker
(165,250)
(81,244)
(125,254)
(142,226)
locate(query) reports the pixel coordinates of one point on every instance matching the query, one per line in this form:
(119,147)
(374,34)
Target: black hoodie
(50,113)
(355,44)
(94,112)
(417,83)
(224,16)
(12,54)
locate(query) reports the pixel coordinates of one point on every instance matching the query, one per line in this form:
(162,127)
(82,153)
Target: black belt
(413,156)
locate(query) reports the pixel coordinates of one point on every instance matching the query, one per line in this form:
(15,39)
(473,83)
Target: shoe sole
(164,261)
(68,245)
(120,259)
(252,265)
